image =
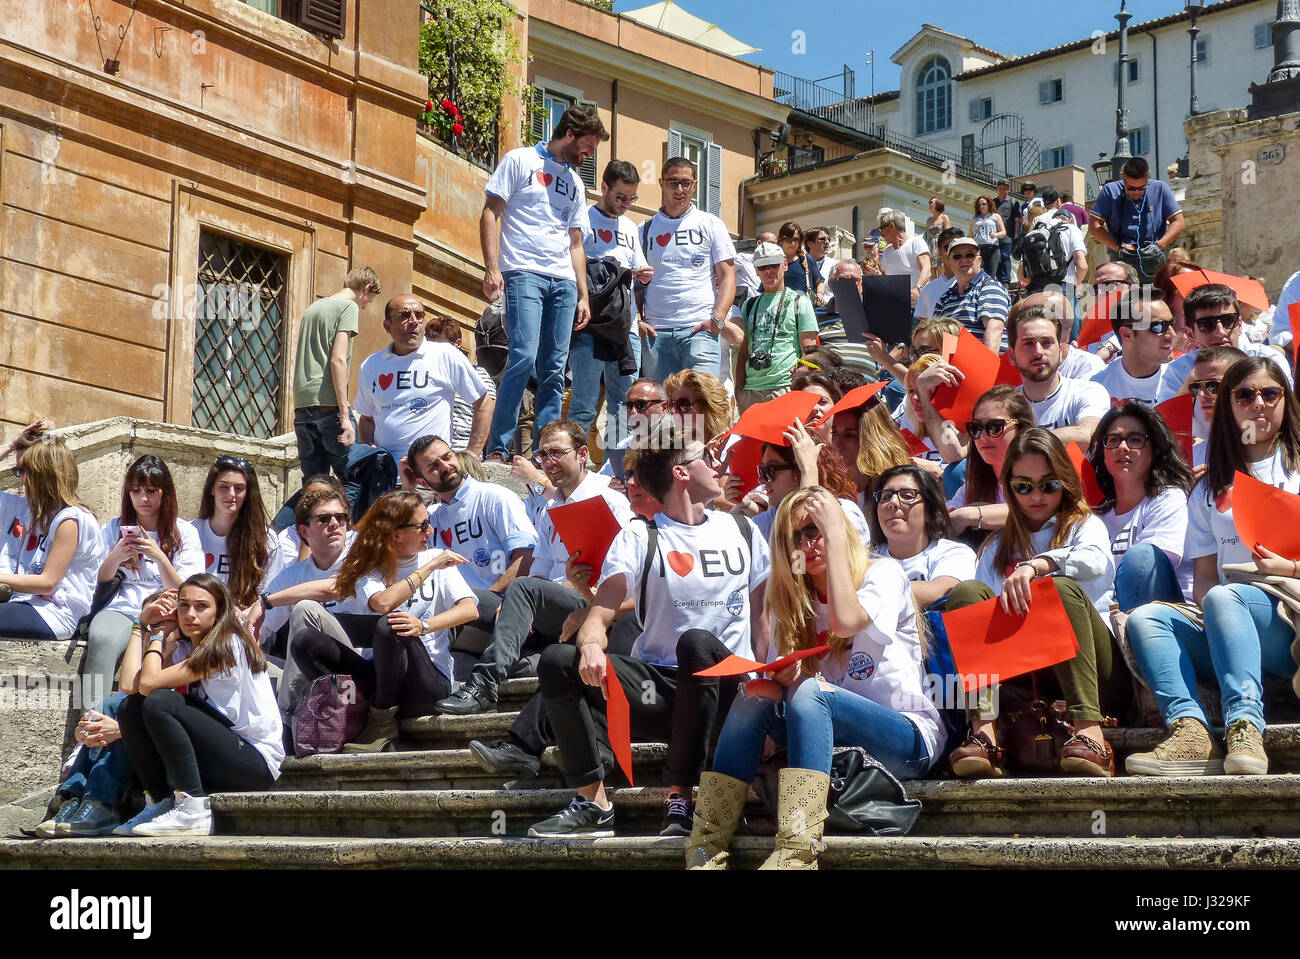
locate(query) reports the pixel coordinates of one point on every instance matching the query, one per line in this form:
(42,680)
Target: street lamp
(1102,169)
(1122,153)
(1195,10)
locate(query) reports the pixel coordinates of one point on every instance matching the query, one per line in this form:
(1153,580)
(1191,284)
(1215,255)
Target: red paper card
(743,460)
(618,721)
(948,347)
(738,665)
(915,445)
(1248,291)
(1096,322)
(980,366)
(1266,515)
(1007,372)
(989,645)
(1293,312)
(769,421)
(586,527)
(854,399)
(1178,413)
(1087,475)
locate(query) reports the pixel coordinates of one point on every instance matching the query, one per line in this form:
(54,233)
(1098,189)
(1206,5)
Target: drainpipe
(613,118)
(1155,105)
(740,190)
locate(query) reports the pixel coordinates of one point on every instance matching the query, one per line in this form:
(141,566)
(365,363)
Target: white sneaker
(191,816)
(151,811)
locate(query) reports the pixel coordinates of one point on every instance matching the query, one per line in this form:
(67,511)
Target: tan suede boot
(800,819)
(718,805)
(379,733)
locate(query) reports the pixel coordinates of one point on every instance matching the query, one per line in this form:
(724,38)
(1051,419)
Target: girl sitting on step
(239,548)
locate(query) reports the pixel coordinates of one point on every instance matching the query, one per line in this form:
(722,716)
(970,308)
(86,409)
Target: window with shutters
(1139,141)
(328,17)
(698,147)
(549,108)
(981,108)
(1133,71)
(1051,91)
(934,96)
(1263,36)
(1202,49)
(1056,157)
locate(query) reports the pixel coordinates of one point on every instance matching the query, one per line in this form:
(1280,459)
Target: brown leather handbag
(1031,731)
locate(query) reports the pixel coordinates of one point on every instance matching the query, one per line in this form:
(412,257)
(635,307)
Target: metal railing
(477,145)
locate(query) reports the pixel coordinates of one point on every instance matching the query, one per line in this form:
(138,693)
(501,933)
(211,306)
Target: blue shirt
(1136,222)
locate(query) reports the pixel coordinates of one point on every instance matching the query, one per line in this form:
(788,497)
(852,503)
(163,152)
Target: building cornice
(873,165)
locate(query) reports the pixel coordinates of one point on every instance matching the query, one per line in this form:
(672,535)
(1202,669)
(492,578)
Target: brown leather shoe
(1081,757)
(977,758)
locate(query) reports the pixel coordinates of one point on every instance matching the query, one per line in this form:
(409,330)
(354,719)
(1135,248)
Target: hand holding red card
(915,445)
(979,366)
(739,665)
(587,528)
(618,721)
(1266,516)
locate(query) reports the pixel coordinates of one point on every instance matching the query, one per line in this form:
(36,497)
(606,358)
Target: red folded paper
(1007,372)
(1178,413)
(618,721)
(947,347)
(854,399)
(1096,323)
(980,367)
(586,529)
(989,645)
(738,665)
(768,421)
(1087,475)
(743,460)
(1293,315)
(915,445)
(1248,291)
(1265,515)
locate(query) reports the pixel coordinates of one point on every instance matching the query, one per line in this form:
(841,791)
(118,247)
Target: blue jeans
(319,449)
(1243,637)
(1004,262)
(811,722)
(587,371)
(1144,576)
(104,772)
(539,319)
(680,349)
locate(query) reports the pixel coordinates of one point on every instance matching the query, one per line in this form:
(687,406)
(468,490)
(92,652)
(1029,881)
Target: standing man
(1009,210)
(1061,228)
(904,254)
(693,257)
(322,420)
(779,325)
(1137,218)
(531,235)
(609,234)
(977,300)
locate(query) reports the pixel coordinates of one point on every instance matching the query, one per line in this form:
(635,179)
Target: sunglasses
(1158,327)
(1245,395)
(642,406)
(707,456)
(1023,487)
(768,473)
(1228,321)
(771,266)
(994,428)
(423,527)
(1204,386)
(916,352)
(907,497)
(1136,189)
(962,256)
(324,519)
(684,405)
(621,198)
(809,534)
(238,462)
(1134,441)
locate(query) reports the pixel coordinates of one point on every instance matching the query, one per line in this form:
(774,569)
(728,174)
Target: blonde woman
(880,446)
(825,589)
(701,396)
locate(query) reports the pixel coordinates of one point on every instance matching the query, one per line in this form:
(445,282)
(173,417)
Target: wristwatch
(265,599)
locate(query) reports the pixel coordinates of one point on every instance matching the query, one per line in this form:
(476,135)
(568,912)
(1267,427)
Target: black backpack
(1043,251)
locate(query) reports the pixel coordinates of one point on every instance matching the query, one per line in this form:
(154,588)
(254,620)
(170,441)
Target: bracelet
(1295,569)
(1030,564)
(148,651)
(979,517)
(265,599)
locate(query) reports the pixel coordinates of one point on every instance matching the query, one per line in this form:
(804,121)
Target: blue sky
(841,32)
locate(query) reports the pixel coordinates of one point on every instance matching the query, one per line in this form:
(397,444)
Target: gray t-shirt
(322,321)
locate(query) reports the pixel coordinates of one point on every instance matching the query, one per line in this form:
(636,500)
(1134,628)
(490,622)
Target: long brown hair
(212,651)
(50,480)
(1226,453)
(880,444)
(246,543)
(149,470)
(1015,543)
(375,546)
(981,481)
(832,472)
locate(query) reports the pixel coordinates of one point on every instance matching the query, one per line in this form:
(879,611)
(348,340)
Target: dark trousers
(180,743)
(530,606)
(319,450)
(488,604)
(1004,262)
(664,702)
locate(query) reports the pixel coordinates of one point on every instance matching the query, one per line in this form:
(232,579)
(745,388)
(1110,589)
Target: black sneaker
(677,816)
(504,757)
(582,819)
(470,698)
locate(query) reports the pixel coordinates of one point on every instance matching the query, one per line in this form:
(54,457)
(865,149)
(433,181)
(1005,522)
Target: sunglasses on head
(1023,487)
(994,428)
(1245,395)
(1204,386)
(1206,324)
(768,472)
(238,462)
(907,497)
(1134,441)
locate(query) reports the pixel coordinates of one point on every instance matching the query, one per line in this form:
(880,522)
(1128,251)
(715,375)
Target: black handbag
(104,593)
(864,796)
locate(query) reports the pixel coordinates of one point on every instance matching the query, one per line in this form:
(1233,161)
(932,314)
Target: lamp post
(1123,153)
(1280,93)
(1195,10)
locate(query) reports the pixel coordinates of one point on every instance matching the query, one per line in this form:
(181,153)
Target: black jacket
(609,291)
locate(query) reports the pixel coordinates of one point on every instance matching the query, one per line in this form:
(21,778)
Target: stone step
(1247,806)
(842,852)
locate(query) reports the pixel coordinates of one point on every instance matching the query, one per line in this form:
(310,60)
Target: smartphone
(132,532)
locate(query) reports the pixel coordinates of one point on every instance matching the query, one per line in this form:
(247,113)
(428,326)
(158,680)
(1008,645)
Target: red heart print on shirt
(1224,500)
(446,538)
(385,380)
(208,560)
(682,563)
(663,238)
(543,178)
(605,235)
(31,542)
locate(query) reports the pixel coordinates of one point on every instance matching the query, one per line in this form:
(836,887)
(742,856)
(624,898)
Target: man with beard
(1069,408)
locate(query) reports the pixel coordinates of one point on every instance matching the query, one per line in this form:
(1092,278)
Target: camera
(760,361)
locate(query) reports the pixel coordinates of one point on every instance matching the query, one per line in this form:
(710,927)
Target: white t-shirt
(290,542)
(1122,385)
(306,571)
(14,520)
(852,510)
(1080,364)
(700,578)
(247,700)
(959,498)
(1160,520)
(683,252)
(1073,243)
(411,396)
(549,555)
(930,294)
(1072,401)
(616,238)
(884,662)
(905,259)
(440,592)
(545,199)
(942,557)
(1212,533)
(217,561)
(484,523)
(1180,367)
(1085,558)
(138,584)
(71,598)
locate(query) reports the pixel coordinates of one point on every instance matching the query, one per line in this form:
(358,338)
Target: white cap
(768,254)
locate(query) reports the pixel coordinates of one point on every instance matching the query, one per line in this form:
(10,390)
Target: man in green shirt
(322,419)
(779,325)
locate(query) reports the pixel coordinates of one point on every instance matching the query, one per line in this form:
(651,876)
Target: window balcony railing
(477,139)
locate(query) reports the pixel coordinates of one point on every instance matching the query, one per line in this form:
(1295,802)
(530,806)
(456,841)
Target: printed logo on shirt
(698,259)
(419,405)
(218,565)
(687,237)
(407,380)
(714,563)
(861,666)
(736,603)
(16,528)
(606,235)
(481,557)
(544,178)
(1122,541)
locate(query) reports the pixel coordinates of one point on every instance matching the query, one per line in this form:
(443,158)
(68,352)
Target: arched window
(934,96)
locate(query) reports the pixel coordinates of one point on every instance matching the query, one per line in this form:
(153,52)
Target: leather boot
(800,818)
(379,733)
(718,805)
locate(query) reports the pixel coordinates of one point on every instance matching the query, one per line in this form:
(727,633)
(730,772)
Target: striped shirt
(462,414)
(985,299)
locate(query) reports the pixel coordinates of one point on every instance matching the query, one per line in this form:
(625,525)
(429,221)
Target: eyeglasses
(238,462)
(1159,327)
(1134,441)
(994,428)
(415,314)
(1228,321)
(962,256)
(906,497)
(771,266)
(1136,189)
(546,456)
(1245,395)
(1023,487)
(916,352)
(423,527)
(1204,386)
(684,405)
(324,519)
(710,460)
(809,534)
(767,473)
(642,406)
(621,198)
(680,184)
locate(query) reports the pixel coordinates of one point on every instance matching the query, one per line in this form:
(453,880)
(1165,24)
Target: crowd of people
(851,527)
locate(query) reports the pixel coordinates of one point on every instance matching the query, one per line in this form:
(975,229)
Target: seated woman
(154,551)
(239,548)
(999,416)
(1241,632)
(223,733)
(53,542)
(802,464)
(869,442)
(1145,482)
(910,524)
(866,691)
(417,598)
(1050,531)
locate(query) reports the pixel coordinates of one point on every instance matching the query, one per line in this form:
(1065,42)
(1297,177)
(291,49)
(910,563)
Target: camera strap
(776,321)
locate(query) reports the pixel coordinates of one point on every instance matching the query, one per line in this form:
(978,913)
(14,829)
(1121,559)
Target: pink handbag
(332,714)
